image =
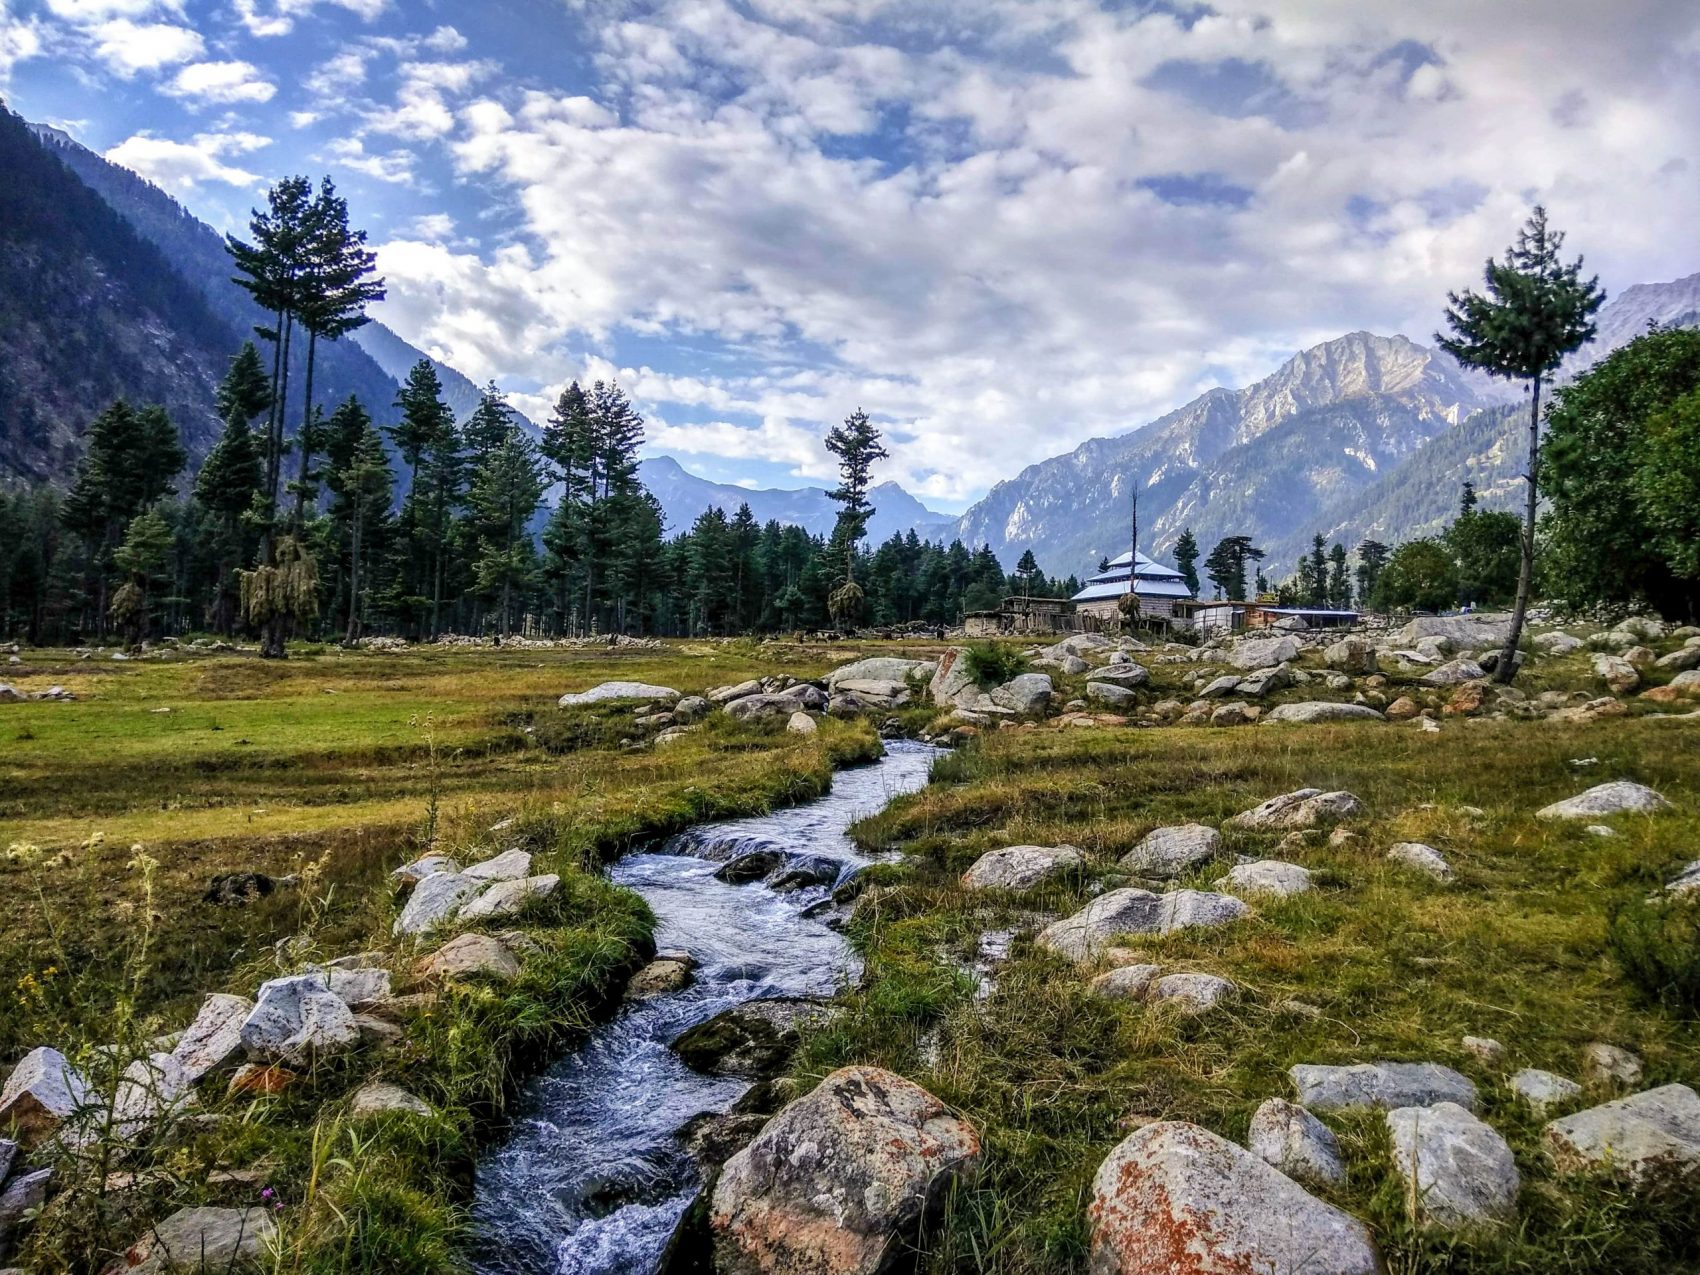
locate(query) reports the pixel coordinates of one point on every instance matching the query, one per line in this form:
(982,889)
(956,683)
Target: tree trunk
(353,634)
(306,438)
(1507,667)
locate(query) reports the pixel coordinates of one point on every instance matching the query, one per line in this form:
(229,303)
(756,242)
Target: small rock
(1323,711)
(510,898)
(380,1098)
(415,872)
(800,723)
(472,956)
(260,1081)
(660,977)
(359,988)
(1305,808)
(1484,1049)
(1170,852)
(1543,1090)
(22,1198)
(1643,1136)
(1129,983)
(510,865)
(237,889)
(1287,1136)
(1021,867)
(1383,1086)
(1175,1199)
(1609,1065)
(1402,709)
(1086,933)
(436,900)
(1192,992)
(1616,798)
(619,691)
(201,1239)
(1458,1171)
(1453,673)
(42,1093)
(1687,881)
(1414,854)
(1267,876)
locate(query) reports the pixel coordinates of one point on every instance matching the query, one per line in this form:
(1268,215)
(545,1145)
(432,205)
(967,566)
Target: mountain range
(109,286)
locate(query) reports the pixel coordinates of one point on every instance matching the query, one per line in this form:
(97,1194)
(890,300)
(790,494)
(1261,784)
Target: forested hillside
(89,311)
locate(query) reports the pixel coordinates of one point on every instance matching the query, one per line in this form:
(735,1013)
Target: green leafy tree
(1535,311)
(1606,537)
(1186,560)
(1667,485)
(142,558)
(506,489)
(1372,560)
(1487,548)
(1420,575)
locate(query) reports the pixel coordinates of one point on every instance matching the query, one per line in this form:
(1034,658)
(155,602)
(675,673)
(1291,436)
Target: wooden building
(1158,588)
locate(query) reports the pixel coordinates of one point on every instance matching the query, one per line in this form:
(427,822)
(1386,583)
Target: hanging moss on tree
(283,593)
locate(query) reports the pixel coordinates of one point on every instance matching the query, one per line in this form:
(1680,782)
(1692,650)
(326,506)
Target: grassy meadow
(1378,962)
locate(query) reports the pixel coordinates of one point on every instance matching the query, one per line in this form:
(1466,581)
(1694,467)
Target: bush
(1658,944)
(993,665)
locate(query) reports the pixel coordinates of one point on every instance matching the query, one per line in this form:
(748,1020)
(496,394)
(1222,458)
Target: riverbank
(468,759)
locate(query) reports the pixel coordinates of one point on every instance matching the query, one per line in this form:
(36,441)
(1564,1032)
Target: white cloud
(222,82)
(279,16)
(181,167)
(128,47)
(86,12)
(395,167)
(20,39)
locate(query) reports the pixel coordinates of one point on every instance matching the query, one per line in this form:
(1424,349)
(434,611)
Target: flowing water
(592,1180)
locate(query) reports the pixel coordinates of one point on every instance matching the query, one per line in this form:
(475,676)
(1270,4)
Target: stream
(592,1179)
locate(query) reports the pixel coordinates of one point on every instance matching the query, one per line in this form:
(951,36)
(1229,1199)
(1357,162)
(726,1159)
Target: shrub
(1658,944)
(993,665)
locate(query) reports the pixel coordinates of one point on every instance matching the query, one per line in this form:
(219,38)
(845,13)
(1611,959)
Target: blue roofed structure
(1158,588)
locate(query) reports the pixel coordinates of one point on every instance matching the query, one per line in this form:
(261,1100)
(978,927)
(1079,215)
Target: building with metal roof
(1158,588)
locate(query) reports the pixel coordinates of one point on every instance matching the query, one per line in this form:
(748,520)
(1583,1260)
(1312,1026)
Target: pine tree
(1228,563)
(142,557)
(1339,583)
(856,443)
(363,486)
(569,445)
(1535,312)
(1186,560)
(1372,561)
(226,488)
(1318,574)
(506,490)
(246,390)
(1027,569)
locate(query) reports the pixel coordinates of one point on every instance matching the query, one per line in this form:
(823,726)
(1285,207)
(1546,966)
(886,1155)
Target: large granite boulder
(202,1239)
(619,691)
(1382,1086)
(472,956)
(1458,1171)
(1323,711)
(1256,653)
(1126,673)
(151,1091)
(1303,808)
(1644,1136)
(952,683)
(1454,673)
(1464,631)
(1175,1199)
(437,900)
(510,898)
(298,1019)
(1021,867)
(1274,878)
(1027,694)
(880,668)
(1114,694)
(1619,797)
(510,865)
(1169,852)
(1087,933)
(42,1093)
(841,1181)
(1618,673)
(1351,655)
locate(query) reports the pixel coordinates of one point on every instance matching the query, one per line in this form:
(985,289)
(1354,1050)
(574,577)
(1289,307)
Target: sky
(1000,227)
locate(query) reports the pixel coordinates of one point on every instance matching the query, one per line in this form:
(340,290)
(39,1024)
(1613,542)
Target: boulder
(1323,711)
(1124,673)
(692,708)
(619,691)
(1643,1136)
(23,1197)
(360,987)
(752,865)
(751,708)
(1256,653)
(213,1038)
(1414,854)
(1402,709)
(952,683)
(1260,683)
(1543,1090)
(1383,1086)
(1466,700)
(1458,1171)
(1227,684)
(1684,660)
(1351,655)
(42,1093)
(1194,993)
(753,1041)
(202,1239)
(8,1156)
(880,668)
(379,1098)
(436,900)
(1266,876)
(472,956)
(1111,693)
(1027,694)
(1485,1049)
(151,1090)
(1237,713)
(1128,983)
(1617,673)
(660,977)
(1021,867)
(726,694)
(1170,852)
(800,871)
(1472,631)
(1303,808)
(1558,643)
(800,723)
(1287,1136)
(1687,881)
(510,898)
(1175,1199)
(298,1019)
(1453,673)
(510,865)
(841,1181)
(1619,797)
(1089,931)
(256,1080)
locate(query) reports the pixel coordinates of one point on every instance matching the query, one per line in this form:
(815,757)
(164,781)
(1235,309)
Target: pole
(1133,535)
